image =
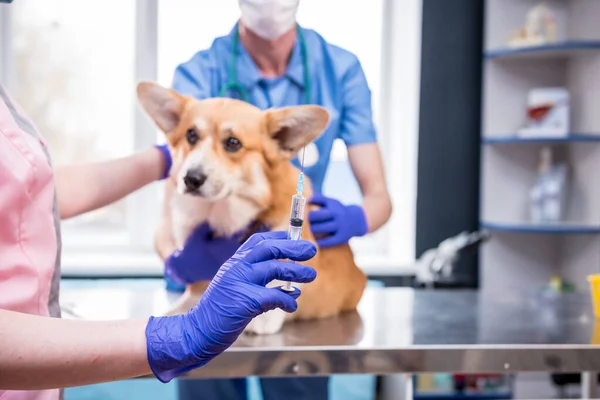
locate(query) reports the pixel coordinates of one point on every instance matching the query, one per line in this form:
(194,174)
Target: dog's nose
(194,179)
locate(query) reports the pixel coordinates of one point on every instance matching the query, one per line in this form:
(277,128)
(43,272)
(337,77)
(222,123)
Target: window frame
(142,216)
(5,44)
(133,252)
(143,206)
(400,113)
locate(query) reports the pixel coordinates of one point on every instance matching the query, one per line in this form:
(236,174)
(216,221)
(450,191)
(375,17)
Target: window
(187,26)
(76,79)
(200,24)
(366,44)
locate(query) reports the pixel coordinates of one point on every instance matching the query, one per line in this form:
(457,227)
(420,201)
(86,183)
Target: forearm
(43,353)
(378,208)
(367,166)
(83,188)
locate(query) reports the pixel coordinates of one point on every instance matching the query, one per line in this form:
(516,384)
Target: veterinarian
(38,353)
(270,61)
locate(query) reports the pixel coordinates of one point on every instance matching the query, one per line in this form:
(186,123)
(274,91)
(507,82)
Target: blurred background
(486,114)
(73,66)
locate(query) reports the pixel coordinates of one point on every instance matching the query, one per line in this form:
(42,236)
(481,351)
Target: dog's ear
(163,105)
(292,128)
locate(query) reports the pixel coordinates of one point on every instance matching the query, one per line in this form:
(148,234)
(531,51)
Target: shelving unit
(559,229)
(501,390)
(523,255)
(554,50)
(459,396)
(571,138)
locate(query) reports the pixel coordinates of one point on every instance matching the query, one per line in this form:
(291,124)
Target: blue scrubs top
(338,83)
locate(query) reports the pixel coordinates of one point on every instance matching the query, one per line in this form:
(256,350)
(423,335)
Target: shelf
(559,228)
(555,50)
(573,137)
(461,396)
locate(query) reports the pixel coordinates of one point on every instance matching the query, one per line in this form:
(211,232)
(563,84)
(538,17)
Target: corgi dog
(243,155)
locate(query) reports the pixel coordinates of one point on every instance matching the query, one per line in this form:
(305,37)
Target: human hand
(202,255)
(339,223)
(178,344)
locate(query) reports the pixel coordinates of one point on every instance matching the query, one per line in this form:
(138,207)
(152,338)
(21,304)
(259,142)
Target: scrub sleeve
(30,226)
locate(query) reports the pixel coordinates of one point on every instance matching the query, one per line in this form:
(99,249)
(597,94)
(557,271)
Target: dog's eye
(192,136)
(232,144)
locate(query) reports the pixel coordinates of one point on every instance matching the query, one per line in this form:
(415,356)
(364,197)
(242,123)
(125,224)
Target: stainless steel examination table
(395,331)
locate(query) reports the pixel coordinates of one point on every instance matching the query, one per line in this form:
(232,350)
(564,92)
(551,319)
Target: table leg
(397,387)
(410,389)
(589,385)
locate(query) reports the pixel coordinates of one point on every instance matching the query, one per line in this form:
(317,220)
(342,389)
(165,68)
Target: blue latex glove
(201,256)
(172,286)
(164,149)
(178,344)
(334,223)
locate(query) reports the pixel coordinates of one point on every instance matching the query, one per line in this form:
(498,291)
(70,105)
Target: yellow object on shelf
(596,334)
(595,289)
(425,382)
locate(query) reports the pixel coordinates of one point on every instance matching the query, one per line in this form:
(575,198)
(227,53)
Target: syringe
(296,218)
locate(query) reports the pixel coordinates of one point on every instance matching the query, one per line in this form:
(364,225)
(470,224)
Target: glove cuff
(169,355)
(172,285)
(171,264)
(357,214)
(164,149)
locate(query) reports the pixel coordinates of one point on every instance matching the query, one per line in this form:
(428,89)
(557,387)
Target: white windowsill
(147,263)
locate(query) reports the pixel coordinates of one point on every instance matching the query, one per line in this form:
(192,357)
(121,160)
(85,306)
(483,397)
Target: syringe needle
(302,162)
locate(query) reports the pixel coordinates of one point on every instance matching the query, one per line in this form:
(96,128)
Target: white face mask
(269,19)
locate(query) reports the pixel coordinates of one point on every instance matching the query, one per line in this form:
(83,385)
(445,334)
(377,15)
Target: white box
(548,112)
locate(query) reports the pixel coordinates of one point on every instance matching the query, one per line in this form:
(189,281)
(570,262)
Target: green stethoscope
(233,86)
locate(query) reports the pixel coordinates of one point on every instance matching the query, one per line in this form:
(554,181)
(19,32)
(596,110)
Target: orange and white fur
(242,155)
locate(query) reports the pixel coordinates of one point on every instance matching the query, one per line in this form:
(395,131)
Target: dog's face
(223,147)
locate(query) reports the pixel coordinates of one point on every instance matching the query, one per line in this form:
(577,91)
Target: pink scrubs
(29,226)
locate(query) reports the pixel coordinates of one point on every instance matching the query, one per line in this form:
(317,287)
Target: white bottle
(535,203)
(554,198)
(537,194)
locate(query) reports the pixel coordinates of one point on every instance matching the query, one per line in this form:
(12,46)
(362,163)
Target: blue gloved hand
(201,256)
(178,344)
(335,223)
(166,153)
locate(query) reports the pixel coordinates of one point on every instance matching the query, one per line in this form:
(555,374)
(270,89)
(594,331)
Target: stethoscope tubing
(233,85)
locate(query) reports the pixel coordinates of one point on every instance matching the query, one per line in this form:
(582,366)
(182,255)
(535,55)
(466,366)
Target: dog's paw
(267,323)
